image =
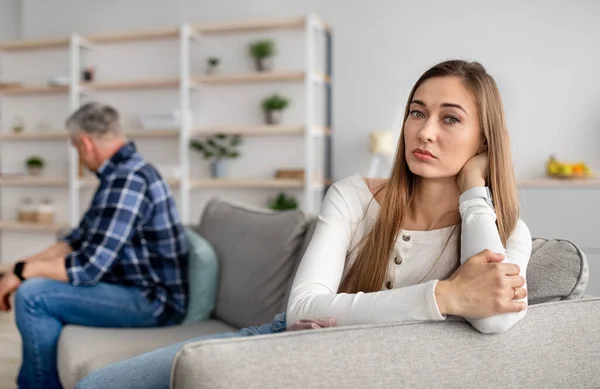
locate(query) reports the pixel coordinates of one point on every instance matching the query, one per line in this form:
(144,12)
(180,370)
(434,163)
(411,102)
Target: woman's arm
(314,291)
(479,232)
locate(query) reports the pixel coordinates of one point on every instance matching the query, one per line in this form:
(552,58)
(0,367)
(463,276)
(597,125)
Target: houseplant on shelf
(273,107)
(35,165)
(262,51)
(211,65)
(219,148)
(283,202)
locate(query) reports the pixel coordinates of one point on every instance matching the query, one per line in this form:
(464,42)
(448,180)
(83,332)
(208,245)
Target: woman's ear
(483,147)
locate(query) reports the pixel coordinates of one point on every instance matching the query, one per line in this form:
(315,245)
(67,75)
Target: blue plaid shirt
(132,235)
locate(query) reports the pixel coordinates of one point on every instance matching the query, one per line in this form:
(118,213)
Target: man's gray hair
(95,119)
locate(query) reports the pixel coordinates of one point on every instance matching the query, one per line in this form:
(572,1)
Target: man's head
(96,133)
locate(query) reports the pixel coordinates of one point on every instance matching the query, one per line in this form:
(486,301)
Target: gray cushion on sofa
(257,252)
(557,270)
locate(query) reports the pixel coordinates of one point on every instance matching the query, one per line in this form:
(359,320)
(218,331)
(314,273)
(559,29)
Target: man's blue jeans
(152,370)
(43,307)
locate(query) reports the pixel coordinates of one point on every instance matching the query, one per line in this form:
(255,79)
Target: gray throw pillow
(557,270)
(257,251)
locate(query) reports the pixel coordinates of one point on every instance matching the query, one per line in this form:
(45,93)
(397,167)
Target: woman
(389,250)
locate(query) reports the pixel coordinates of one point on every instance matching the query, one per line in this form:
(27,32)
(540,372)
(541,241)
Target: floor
(10,351)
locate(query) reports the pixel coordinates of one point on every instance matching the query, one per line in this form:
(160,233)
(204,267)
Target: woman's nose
(428,131)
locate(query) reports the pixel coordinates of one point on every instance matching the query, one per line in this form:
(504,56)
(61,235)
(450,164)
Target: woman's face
(442,130)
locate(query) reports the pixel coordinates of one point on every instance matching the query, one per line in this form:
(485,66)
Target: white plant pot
(218,168)
(34,170)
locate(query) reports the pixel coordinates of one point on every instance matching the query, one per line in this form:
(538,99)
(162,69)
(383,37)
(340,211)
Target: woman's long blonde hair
(369,270)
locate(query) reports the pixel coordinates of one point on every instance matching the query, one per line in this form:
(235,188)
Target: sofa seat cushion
(82,350)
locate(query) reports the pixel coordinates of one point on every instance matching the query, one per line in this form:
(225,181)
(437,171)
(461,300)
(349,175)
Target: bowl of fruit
(568,170)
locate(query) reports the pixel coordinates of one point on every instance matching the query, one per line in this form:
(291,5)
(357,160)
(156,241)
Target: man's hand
(8,284)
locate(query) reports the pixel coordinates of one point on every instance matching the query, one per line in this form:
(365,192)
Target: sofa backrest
(259,252)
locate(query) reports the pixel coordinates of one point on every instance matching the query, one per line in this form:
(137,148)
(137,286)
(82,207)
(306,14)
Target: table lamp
(382,146)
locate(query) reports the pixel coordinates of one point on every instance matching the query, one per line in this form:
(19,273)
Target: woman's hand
(482,287)
(474,172)
(311,324)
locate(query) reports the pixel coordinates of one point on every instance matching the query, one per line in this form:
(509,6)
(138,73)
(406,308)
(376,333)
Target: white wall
(543,54)
(10,19)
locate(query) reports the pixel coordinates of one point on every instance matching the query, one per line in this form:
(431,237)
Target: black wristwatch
(18,270)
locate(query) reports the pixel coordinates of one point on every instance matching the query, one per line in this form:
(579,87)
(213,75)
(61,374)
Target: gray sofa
(555,346)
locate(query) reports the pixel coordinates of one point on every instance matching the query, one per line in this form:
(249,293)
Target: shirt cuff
(72,268)
(473,193)
(432,302)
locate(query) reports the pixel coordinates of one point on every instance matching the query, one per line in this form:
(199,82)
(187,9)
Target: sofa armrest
(555,345)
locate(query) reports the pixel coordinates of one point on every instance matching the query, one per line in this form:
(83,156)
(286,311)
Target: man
(123,266)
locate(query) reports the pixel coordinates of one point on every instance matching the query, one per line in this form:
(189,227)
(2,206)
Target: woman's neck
(434,205)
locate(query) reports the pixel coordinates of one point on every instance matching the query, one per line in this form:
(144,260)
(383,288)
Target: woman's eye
(451,120)
(417,114)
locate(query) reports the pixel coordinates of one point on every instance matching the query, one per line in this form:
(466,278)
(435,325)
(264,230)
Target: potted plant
(283,202)
(219,148)
(262,51)
(211,65)
(35,165)
(18,125)
(273,107)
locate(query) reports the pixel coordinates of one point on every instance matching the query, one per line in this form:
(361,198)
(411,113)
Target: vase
(263,64)
(34,170)
(218,168)
(273,116)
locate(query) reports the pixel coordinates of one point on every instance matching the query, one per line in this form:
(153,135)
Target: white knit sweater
(348,213)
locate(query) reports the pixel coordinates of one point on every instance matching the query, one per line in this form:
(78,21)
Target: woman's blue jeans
(152,370)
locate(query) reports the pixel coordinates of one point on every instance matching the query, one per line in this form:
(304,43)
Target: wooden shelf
(251,130)
(260,130)
(15,225)
(152,134)
(245,183)
(31,135)
(541,183)
(258,25)
(33,181)
(250,78)
(129,85)
(322,130)
(35,44)
(148,35)
(34,90)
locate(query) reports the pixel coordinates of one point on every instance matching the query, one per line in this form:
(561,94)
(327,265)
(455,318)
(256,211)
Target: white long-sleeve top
(417,263)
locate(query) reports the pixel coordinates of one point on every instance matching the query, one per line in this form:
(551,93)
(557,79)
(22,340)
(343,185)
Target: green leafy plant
(283,202)
(219,146)
(275,103)
(212,61)
(262,49)
(35,162)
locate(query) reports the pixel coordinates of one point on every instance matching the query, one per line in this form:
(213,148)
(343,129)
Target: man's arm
(60,249)
(53,268)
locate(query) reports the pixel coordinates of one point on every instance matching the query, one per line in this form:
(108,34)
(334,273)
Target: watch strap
(18,270)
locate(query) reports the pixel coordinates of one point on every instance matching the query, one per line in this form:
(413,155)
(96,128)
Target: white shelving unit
(188,84)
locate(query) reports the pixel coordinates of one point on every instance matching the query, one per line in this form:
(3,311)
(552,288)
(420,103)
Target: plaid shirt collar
(122,155)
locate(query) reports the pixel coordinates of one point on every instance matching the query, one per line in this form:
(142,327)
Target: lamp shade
(382,142)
